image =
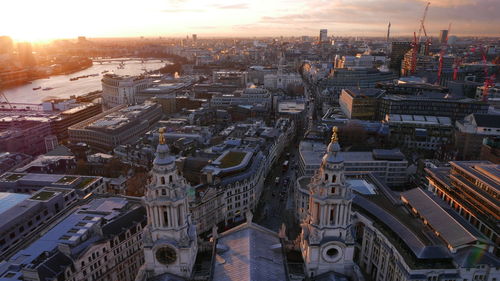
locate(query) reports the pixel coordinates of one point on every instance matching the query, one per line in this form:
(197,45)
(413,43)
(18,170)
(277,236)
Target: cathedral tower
(170,240)
(326,240)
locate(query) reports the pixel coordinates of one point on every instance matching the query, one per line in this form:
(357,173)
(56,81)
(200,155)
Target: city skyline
(174,18)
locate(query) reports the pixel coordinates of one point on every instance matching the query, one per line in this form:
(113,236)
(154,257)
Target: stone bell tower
(326,240)
(170,240)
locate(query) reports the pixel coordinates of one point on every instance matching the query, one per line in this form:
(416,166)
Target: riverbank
(31,74)
(60,86)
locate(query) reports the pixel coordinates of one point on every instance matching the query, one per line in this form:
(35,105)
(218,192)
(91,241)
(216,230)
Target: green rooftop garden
(231,159)
(12,177)
(85,182)
(43,195)
(67,179)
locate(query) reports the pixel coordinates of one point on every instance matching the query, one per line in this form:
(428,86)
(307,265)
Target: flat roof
(232,158)
(313,152)
(43,195)
(418,119)
(9,200)
(72,228)
(291,106)
(448,228)
(363,92)
(362,186)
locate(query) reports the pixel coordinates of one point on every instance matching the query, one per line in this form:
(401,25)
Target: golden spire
(162,136)
(335,137)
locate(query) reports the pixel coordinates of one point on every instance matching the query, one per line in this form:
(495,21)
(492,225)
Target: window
(162,180)
(333,190)
(334,178)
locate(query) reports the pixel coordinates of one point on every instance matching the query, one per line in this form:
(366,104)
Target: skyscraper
(323,35)
(443,35)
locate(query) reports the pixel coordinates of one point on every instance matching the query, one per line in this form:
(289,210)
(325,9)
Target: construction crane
(416,39)
(444,47)
(422,21)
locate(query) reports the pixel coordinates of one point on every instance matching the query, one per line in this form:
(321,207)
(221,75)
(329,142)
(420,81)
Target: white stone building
(118,90)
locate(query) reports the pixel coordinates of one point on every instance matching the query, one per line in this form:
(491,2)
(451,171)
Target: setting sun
(35,20)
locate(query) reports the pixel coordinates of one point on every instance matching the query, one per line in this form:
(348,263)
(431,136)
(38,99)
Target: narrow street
(276,205)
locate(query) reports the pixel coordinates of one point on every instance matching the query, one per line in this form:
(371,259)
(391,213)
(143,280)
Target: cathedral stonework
(170,240)
(326,240)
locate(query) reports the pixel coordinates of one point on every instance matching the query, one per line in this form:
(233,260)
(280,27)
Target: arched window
(162,180)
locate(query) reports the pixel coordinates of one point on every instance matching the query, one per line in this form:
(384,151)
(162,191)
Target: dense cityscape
(325,157)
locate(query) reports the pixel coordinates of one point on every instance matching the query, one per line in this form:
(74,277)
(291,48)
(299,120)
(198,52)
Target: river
(63,88)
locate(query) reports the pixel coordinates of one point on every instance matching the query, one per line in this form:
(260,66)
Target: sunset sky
(49,19)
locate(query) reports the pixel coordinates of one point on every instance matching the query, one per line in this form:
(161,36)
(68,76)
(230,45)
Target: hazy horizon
(58,19)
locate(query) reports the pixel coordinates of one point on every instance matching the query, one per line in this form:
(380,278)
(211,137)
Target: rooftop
(487,120)
(249,252)
(231,159)
(418,119)
(43,195)
(291,106)
(115,119)
(363,92)
(9,200)
(437,218)
(484,171)
(76,230)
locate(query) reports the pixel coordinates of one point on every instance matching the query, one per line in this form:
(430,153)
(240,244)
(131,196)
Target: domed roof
(332,152)
(163,156)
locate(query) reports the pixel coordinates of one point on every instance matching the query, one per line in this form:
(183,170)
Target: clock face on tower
(166,255)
